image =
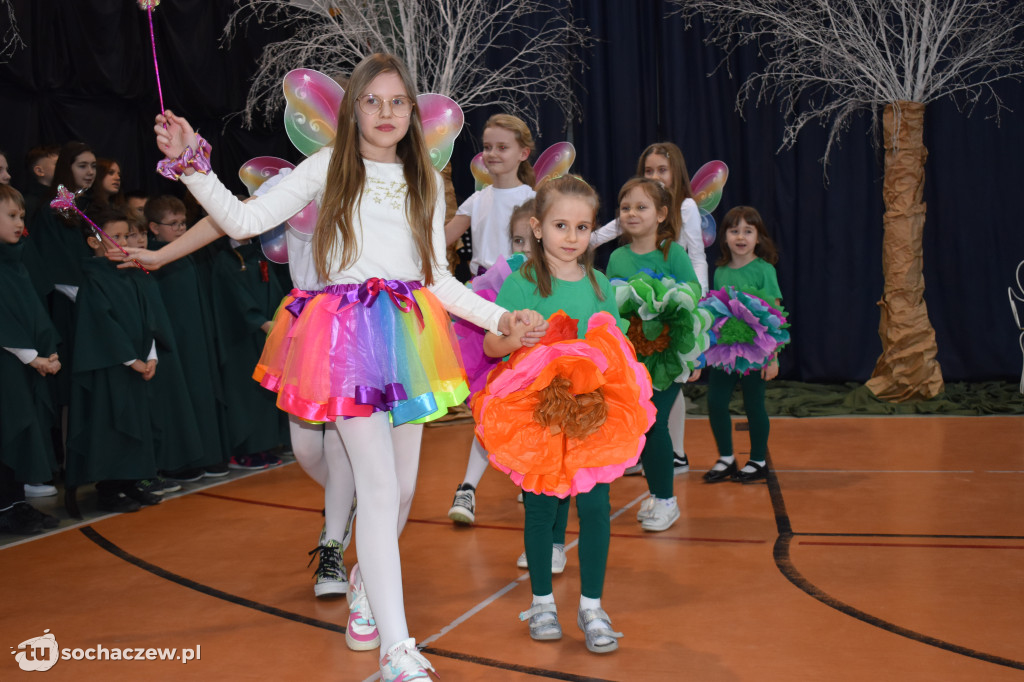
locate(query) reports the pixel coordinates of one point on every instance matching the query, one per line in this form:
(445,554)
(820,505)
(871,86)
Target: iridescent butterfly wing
(259,175)
(312,100)
(481,175)
(442,121)
(707,185)
(554,162)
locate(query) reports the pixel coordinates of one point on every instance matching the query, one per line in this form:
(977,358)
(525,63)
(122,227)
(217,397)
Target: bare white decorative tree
(447,45)
(10,39)
(825,60)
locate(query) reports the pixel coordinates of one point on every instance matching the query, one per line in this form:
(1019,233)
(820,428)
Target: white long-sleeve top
(690,239)
(385,243)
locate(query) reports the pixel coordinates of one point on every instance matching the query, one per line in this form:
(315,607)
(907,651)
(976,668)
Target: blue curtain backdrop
(87,75)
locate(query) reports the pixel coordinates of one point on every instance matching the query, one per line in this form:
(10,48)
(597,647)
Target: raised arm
(235,218)
(195,238)
(608,232)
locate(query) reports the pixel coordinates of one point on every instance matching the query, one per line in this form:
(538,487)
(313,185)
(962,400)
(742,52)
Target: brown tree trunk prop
(907,368)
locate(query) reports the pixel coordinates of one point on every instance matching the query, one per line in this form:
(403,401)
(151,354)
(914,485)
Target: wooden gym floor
(881,549)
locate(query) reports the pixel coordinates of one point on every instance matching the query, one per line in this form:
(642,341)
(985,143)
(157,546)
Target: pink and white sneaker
(403,663)
(361,633)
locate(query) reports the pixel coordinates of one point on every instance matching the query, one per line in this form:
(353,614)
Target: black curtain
(88,74)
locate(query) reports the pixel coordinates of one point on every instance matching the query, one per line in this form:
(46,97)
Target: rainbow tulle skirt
(354,349)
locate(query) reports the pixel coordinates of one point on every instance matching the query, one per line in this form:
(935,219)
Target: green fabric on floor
(798,399)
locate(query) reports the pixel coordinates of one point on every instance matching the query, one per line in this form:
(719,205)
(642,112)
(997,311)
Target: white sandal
(543,622)
(601,640)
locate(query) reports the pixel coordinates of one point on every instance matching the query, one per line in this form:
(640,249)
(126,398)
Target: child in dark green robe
(129,417)
(189,310)
(246,294)
(28,343)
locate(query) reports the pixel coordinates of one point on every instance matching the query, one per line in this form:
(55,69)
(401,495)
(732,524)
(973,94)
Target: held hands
(533,324)
(694,376)
(770,371)
(521,328)
(44,366)
(146,369)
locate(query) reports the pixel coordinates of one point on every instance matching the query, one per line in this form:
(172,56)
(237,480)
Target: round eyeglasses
(401,105)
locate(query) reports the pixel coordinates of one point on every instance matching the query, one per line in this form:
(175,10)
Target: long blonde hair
(517,127)
(346,176)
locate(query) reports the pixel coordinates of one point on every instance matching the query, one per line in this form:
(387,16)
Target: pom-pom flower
(667,326)
(568,413)
(748,331)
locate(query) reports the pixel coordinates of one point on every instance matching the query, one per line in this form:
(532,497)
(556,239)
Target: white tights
(477,464)
(385,461)
(321,454)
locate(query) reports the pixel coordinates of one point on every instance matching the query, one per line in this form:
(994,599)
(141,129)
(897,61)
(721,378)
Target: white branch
(825,60)
(10,38)
(449,47)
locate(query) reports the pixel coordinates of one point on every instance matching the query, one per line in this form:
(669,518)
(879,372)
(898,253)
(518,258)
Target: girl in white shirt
(371,352)
(507,148)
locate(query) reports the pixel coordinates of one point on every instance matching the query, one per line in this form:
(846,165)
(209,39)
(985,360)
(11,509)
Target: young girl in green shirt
(747,263)
(552,459)
(645,215)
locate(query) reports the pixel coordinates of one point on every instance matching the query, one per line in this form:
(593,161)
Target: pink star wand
(65,201)
(149,6)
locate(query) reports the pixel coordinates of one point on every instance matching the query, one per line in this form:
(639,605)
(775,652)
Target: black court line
(786,567)
(104,543)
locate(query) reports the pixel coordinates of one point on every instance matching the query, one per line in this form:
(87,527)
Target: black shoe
(143,497)
(184,475)
(18,522)
(760,474)
(216,471)
(116,502)
(29,512)
(712,476)
(680,463)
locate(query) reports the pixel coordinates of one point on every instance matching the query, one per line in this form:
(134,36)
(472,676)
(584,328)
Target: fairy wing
(259,175)
(707,185)
(481,175)
(442,121)
(311,107)
(554,162)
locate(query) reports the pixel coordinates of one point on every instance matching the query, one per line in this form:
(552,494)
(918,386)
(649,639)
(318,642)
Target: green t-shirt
(577,299)
(624,263)
(756,277)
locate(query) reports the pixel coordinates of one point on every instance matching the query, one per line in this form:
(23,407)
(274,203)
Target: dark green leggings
(657,454)
(542,512)
(720,388)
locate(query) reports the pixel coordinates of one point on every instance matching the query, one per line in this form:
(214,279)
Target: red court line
(908,544)
(481,525)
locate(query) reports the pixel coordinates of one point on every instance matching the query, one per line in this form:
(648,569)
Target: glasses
(401,106)
(179,225)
